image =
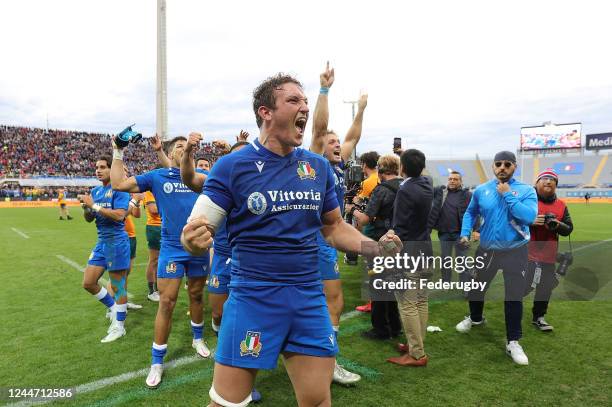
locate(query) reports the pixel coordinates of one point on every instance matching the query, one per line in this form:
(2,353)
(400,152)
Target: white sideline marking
(80,268)
(69,262)
(109,381)
(593,245)
(20,233)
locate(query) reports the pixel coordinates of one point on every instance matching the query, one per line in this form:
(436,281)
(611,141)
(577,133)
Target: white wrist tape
(117,154)
(133,203)
(96,207)
(214,396)
(204,206)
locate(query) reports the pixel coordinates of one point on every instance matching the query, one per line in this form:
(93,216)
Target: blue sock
(157,353)
(104,297)
(197,330)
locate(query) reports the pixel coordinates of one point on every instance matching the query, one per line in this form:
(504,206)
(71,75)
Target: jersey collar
(264,151)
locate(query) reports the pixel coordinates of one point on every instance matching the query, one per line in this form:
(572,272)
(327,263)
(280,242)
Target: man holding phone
(507,207)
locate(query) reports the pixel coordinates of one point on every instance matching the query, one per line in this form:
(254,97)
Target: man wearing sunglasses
(507,207)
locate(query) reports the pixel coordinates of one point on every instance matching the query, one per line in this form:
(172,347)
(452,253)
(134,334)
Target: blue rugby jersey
(221,244)
(274,206)
(106,197)
(174,202)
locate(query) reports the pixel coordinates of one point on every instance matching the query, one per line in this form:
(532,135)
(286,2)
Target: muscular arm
(321,113)
(354,133)
(162,158)
(118,180)
(194,180)
(340,234)
(191,178)
(114,214)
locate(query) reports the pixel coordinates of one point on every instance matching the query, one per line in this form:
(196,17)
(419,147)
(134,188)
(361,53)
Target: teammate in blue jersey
(174,202)
(327,143)
(276,198)
(219,277)
(112,251)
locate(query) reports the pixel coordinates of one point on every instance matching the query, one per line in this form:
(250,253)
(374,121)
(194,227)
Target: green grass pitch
(50,331)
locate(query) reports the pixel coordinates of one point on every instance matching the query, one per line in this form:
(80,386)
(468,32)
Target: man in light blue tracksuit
(507,207)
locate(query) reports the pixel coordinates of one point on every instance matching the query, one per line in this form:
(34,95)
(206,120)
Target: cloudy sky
(452,78)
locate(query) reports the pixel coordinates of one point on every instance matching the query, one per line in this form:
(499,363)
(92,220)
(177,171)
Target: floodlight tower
(162,84)
(353,104)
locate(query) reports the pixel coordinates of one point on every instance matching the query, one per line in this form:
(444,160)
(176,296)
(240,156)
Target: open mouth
(337,153)
(300,125)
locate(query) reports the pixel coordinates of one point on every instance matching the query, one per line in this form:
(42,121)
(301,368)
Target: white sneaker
(115,331)
(131,305)
(154,296)
(155,376)
(200,347)
(343,376)
(465,325)
(515,351)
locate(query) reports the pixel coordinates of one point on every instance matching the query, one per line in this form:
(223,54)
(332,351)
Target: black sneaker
(69,217)
(542,325)
(373,334)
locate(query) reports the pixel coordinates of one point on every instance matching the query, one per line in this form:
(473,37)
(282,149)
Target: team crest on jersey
(168,188)
(257,203)
(251,344)
(515,193)
(171,267)
(109,194)
(305,171)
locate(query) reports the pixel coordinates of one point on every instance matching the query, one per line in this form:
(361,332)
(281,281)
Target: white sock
(101,294)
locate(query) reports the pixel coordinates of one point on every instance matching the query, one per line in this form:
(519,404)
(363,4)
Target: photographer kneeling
(378,214)
(553,220)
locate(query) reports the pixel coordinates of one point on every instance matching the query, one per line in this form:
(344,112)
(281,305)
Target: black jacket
(436,208)
(411,212)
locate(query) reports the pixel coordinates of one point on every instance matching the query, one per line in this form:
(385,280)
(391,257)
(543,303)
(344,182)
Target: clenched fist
(196,237)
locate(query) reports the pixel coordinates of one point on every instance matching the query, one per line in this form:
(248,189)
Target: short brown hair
(107,158)
(389,164)
(263,95)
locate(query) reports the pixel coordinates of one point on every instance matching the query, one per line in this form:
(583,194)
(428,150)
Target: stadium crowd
(29,151)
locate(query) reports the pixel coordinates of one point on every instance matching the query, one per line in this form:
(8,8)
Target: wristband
(117,154)
(324,90)
(96,207)
(134,203)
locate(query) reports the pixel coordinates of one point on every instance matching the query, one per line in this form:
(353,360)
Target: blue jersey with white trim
(174,202)
(106,197)
(274,206)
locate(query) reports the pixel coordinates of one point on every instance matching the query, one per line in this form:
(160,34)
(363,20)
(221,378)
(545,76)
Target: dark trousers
(543,288)
(385,318)
(448,242)
(513,263)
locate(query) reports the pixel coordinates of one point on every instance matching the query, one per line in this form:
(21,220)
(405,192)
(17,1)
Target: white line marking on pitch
(592,245)
(80,268)
(109,381)
(20,233)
